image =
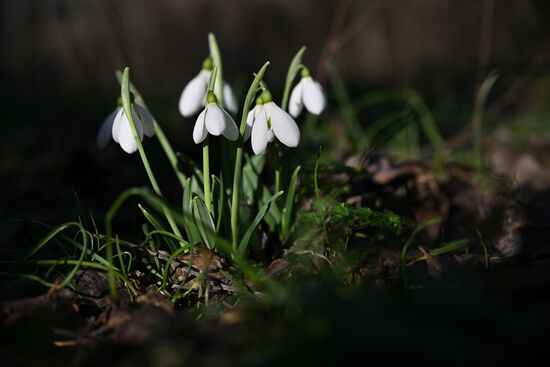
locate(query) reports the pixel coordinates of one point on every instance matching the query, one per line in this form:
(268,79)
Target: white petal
(284,126)
(229,99)
(146,119)
(106,129)
(214,120)
(126,137)
(231,131)
(259,134)
(270,135)
(314,98)
(199,132)
(192,97)
(296,104)
(250,117)
(116,123)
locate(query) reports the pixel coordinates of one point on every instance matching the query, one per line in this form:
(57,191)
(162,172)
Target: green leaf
(273,216)
(450,246)
(252,170)
(425,117)
(204,223)
(190,227)
(48,237)
(246,238)
(288,209)
(156,224)
(221,199)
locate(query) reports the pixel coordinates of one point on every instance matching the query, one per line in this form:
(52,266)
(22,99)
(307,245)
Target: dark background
(58,60)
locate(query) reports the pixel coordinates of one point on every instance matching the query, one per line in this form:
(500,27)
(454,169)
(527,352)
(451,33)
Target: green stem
(170,154)
(239,160)
(293,69)
(278,177)
(217,59)
(206,175)
(235,196)
(165,144)
(126,105)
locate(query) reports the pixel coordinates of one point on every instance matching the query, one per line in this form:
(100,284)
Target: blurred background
(58,60)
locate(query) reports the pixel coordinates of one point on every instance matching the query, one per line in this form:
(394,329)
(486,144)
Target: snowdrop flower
(214,120)
(307,92)
(194,94)
(117,125)
(267,121)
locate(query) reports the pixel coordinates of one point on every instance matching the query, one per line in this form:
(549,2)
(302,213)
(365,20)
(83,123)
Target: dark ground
(460,308)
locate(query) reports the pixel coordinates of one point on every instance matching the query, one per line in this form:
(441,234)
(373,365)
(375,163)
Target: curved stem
(293,69)
(170,154)
(235,196)
(126,105)
(159,133)
(239,160)
(206,175)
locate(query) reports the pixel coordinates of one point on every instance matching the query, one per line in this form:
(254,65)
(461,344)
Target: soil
(486,304)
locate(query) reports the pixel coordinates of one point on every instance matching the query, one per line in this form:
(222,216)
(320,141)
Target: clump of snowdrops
(219,213)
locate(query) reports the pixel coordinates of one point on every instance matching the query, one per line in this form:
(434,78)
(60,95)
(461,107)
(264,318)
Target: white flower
(307,92)
(267,121)
(117,125)
(214,120)
(194,94)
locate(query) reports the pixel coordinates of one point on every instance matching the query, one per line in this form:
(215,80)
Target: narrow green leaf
(273,216)
(425,117)
(48,237)
(156,224)
(450,246)
(190,227)
(244,241)
(288,209)
(252,170)
(204,223)
(221,200)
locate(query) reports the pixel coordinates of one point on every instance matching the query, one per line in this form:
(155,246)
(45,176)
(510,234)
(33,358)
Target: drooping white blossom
(308,93)
(117,125)
(267,121)
(193,97)
(215,121)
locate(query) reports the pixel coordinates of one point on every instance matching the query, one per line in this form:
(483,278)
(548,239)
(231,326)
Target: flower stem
(170,154)
(163,140)
(206,174)
(278,177)
(235,196)
(293,69)
(239,160)
(217,59)
(126,105)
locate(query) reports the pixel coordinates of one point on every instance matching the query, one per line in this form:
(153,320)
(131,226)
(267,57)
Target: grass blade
(244,241)
(287,210)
